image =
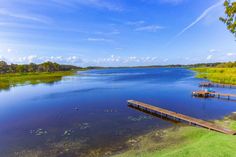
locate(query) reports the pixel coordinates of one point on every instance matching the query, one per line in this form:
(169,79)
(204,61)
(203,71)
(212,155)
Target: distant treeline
(217,65)
(179,65)
(53,67)
(227,65)
(44,67)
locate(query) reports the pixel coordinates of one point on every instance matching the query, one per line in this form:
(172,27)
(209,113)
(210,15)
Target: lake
(87,114)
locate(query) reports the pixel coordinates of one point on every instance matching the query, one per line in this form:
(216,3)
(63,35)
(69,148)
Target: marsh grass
(217,75)
(10,80)
(186,141)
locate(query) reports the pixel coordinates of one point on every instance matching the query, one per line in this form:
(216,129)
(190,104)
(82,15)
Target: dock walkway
(206,94)
(211,84)
(178,116)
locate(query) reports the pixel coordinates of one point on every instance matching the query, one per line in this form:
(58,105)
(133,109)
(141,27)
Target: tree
(32,67)
(43,67)
(3,67)
(230,19)
(21,68)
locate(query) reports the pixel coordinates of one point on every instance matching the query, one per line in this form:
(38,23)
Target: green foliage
(218,75)
(185,142)
(9,80)
(227,65)
(44,67)
(230,19)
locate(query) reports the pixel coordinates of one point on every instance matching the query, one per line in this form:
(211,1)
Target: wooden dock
(179,117)
(206,94)
(211,84)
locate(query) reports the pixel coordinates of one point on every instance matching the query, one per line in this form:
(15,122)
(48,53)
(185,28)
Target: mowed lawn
(185,141)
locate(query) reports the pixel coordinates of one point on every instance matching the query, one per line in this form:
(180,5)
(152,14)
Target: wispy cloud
(5,12)
(142,25)
(202,16)
(197,20)
(103,4)
(209,57)
(231,54)
(114,32)
(99,40)
(149,28)
(135,23)
(213,50)
(172,1)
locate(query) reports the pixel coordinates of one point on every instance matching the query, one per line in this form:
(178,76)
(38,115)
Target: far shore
(13,79)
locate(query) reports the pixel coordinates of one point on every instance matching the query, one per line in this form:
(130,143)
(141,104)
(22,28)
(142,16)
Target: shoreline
(217,75)
(10,80)
(180,140)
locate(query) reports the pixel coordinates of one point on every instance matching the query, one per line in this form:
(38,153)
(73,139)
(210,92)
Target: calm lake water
(87,114)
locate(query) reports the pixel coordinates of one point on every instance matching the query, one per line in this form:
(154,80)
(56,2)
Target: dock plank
(186,118)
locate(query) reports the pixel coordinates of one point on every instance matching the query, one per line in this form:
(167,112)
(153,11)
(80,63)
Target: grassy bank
(217,75)
(10,80)
(184,141)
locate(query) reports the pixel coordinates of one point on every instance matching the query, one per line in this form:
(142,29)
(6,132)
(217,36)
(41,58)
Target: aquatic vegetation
(217,75)
(83,126)
(184,141)
(80,126)
(110,110)
(10,80)
(67,132)
(38,132)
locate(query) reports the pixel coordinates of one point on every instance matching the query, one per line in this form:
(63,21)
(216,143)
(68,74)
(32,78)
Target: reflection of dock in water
(178,117)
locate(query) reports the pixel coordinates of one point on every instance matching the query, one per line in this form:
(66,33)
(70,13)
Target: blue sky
(114,32)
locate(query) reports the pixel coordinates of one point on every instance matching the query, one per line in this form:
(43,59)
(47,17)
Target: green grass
(217,75)
(10,80)
(185,142)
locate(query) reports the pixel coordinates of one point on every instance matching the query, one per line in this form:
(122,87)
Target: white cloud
(209,57)
(40,59)
(150,28)
(2,58)
(9,50)
(213,50)
(231,54)
(73,59)
(165,60)
(130,60)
